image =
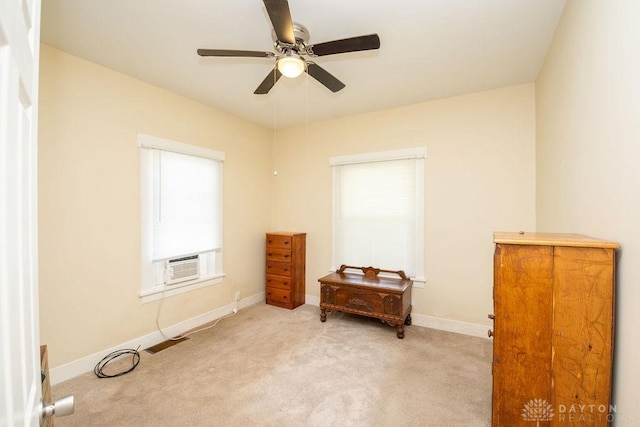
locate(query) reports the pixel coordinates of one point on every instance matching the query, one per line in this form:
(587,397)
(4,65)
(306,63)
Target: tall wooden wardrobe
(553,329)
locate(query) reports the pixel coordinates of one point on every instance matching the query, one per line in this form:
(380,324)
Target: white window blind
(378,211)
(187,205)
(181,210)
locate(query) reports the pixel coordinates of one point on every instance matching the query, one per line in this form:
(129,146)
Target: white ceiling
(430,49)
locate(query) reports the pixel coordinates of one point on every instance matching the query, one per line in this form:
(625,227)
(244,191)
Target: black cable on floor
(135,359)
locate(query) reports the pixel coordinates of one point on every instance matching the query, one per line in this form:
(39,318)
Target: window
(378,211)
(181,217)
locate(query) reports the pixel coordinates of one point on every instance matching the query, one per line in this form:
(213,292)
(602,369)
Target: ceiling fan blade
(280,16)
(268,82)
(238,53)
(353,44)
(324,77)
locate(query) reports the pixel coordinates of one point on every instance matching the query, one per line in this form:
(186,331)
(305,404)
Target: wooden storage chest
(384,298)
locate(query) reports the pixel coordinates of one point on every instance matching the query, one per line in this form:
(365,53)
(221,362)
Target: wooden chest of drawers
(384,298)
(285,269)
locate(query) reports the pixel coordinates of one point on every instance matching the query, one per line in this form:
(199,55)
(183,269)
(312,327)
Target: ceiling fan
(290,41)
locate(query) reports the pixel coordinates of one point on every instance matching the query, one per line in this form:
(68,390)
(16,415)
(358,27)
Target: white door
(20,389)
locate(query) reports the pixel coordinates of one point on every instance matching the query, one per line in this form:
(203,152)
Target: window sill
(160,292)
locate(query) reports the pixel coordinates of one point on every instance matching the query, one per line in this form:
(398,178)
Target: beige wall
(89,204)
(588,156)
(479,178)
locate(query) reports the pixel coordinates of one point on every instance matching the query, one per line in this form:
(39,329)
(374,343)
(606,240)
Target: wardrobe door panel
(523,283)
(583,328)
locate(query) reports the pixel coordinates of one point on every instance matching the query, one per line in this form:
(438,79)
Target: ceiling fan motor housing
(300,33)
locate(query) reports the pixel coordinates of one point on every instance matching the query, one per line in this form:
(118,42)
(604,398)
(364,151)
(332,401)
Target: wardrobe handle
(492,317)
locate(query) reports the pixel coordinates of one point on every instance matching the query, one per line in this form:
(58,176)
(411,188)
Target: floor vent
(165,344)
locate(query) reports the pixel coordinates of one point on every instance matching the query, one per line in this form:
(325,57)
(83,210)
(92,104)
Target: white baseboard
(312,300)
(86,364)
(455,326)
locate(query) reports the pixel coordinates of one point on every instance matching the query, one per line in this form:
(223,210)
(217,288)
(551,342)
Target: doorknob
(60,408)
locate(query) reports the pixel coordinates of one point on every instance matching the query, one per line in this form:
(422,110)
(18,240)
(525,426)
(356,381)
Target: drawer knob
(490,333)
(491,316)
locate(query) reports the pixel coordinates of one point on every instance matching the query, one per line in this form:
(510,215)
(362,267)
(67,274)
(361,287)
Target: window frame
(149,291)
(417,153)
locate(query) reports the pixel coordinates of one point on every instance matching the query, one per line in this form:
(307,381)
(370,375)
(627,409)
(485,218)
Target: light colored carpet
(268,366)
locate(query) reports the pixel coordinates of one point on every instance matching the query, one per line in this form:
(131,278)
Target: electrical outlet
(237,296)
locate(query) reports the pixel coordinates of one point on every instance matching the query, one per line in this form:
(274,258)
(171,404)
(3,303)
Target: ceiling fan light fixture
(291,65)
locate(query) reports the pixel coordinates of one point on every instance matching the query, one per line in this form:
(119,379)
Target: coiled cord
(135,360)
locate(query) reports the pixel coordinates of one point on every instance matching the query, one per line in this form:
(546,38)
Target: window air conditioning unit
(182,269)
